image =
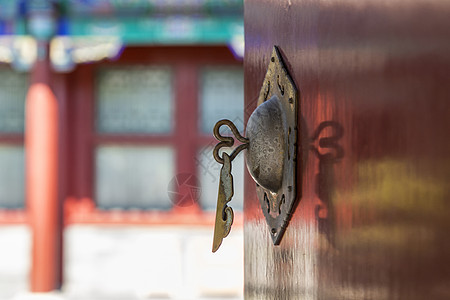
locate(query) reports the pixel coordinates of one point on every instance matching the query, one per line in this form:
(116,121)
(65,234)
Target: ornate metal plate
(278,205)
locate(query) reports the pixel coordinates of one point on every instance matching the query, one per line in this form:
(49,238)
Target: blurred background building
(107,182)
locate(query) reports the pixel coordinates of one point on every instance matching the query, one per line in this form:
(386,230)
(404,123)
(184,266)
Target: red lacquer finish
(372,224)
(41,143)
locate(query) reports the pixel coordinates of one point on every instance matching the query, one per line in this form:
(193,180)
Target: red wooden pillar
(41,148)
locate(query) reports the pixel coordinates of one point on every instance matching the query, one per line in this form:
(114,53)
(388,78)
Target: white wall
(137,262)
(130,262)
(15,258)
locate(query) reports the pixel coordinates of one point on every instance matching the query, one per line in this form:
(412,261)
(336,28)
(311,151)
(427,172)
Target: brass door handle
(271,143)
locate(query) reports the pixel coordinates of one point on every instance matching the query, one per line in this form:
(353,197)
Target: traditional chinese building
(106,114)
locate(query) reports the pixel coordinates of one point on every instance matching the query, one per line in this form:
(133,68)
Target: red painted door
(373,223)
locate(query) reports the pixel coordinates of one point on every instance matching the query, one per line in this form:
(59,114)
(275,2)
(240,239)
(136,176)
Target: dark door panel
(372,224)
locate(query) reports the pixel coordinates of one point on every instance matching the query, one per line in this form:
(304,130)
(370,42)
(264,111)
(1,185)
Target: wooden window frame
(16,215)
(186,137)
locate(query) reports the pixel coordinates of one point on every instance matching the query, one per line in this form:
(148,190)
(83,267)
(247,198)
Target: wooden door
(374,223)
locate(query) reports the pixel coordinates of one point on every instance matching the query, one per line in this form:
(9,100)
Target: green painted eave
(160,30)
(149,7)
